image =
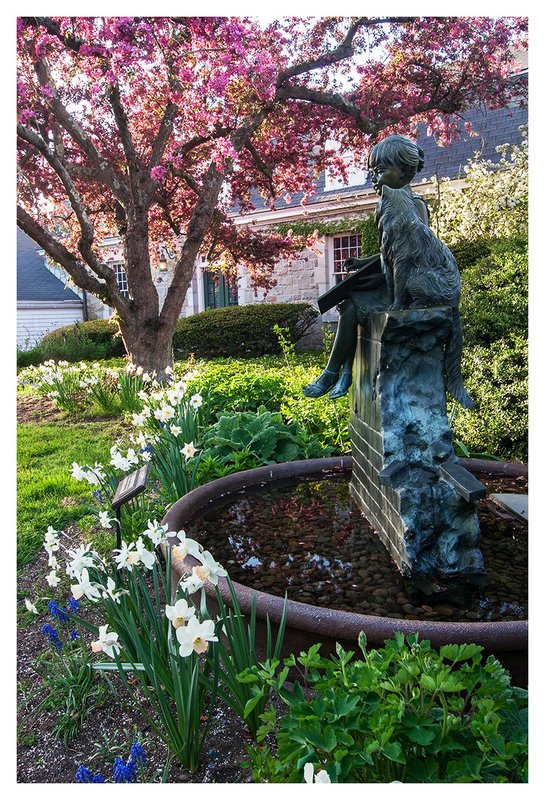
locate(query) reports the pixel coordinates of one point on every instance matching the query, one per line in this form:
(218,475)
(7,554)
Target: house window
(121,278)
(219,290)
(346,246)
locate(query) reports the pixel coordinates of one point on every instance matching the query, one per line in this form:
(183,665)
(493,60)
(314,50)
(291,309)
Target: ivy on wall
(365,227)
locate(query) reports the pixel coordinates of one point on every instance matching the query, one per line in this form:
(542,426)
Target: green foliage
(405,712)
(494,308)
(73,688)
(494,301)
(246,439)
(240,385)
(82,341)
(241,330)
(364,226)
(496,376)
(231,384)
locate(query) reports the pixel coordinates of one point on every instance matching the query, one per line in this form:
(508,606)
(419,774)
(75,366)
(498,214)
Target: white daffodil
(138,420)
(157,395)
(146,455)
(93,476)
(169,370)
(106,643)
(191,583)
(79,560)
(84,587)
(146,556)
(53,579)
(320,777)
(132,458)
(104,519)
(51,540)
(164,413)
(186,546)
(180,613)
(175,430)
(188,450)
(109,591)
(78,472)
(142,395)
(209,569)
(196,401)
(30,606)
(119,462)
(195,636)
(156,532)
(52,562)
(174,396)
(127,557)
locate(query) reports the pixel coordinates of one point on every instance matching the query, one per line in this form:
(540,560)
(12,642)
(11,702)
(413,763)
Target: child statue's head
(394,162)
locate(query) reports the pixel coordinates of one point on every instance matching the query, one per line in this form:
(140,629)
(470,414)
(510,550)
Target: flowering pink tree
(152,129)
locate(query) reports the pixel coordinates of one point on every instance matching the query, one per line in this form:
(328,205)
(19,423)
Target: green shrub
(405,712)
(241,331)
(82,341)
(247,439)
(494,301)
(496,377)
(468,251)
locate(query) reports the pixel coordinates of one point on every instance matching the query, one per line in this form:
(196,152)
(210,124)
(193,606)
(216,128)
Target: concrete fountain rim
(501,636)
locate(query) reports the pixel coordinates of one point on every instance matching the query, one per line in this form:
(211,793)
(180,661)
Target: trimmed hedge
(241,331)
(82,341)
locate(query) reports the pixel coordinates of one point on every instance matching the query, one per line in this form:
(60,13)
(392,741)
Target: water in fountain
(310,541)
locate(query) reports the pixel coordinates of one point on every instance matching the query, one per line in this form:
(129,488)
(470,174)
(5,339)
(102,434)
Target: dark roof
(34,280)
(493,128)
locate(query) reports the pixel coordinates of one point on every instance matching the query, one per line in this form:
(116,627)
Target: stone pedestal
(406,478)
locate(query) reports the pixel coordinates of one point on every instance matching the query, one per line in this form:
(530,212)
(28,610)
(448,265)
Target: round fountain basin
(308,623)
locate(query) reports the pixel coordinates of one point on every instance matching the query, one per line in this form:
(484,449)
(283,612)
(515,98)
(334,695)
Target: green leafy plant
(246,440)
(73,688)
(405,712)
(239,652)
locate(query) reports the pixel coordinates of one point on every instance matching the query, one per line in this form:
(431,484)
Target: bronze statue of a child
(392,162)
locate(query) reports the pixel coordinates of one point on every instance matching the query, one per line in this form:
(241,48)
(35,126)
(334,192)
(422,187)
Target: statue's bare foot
(322,384)
(342,386)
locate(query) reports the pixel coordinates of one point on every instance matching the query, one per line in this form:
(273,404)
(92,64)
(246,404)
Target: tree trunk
(149,346)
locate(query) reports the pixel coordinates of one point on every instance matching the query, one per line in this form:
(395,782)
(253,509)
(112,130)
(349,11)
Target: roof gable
(34,280)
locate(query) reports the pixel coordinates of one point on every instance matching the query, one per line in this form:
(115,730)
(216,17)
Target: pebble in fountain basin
(308,623)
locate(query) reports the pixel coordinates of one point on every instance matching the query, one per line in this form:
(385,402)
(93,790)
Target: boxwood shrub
(241,331)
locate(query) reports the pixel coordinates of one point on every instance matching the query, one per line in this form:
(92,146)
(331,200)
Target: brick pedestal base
(406,479)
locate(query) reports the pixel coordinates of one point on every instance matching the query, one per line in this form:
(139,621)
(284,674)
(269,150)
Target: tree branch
(105,172)
(61,255)
(163,135)
(333,100)
(85,243)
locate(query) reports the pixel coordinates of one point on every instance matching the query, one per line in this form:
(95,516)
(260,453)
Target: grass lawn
(47,493)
